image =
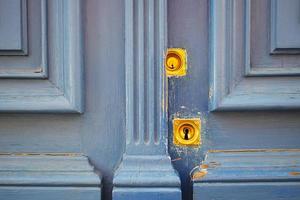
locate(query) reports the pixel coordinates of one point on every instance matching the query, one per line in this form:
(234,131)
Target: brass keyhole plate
(186,131)
(176,62)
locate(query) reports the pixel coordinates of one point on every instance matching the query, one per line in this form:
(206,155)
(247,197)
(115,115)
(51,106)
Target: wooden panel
(50,193)
(61,92)
(145,164)
(248,191)
(260,21)
(13,27)
(167,193)
(97,134)
(285,27)
(51,176)
(231,62)
(26,62)
(253,174)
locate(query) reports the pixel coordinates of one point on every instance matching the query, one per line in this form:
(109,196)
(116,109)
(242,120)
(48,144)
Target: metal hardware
(187,132)
(176,62)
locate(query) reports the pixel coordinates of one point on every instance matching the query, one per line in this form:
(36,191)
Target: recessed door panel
(245,73)
(41,56)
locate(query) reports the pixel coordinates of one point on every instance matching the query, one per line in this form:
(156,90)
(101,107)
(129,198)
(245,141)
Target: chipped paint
(294,173)
(210,165)
(38,70)
(204,166)
(210,93)
(199,174)
(213,164)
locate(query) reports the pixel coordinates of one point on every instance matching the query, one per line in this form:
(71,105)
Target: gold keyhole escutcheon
(186,132)
(176,62)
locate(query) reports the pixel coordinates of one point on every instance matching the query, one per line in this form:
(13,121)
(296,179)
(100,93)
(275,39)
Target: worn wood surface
(57,62)
(48,176)
(253,174)
(99,132)
(234,38)
(146,164)
(189,96)
(13,34)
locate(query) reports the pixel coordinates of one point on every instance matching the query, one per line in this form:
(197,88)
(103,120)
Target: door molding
(234,83)
(66,176)
(252,173)
(55,83)
(146,171)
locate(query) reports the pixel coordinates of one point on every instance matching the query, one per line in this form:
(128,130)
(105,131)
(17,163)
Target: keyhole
(186,133)
(172,66)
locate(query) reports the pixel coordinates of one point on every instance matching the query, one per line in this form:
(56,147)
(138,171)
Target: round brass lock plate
(175,62)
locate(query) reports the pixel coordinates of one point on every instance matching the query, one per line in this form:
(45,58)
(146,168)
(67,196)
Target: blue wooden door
(243,83)
(86,109)
(61,98)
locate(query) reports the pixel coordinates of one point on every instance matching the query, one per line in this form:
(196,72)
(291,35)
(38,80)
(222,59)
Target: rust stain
(294,173)
(200,174)
(253,150)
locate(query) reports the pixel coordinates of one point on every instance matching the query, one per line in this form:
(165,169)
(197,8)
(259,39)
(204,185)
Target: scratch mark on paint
(176,159)
(210,93)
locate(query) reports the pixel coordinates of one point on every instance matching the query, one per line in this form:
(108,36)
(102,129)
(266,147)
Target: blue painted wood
(188,96)
(146,163)
(248,191)
(146,171)
(50,193)
(253,174)
(260,24)
(51,176)
(159,193)
(102,136)
(97,134)
(229,88)
(62,91)
(13,30)
(285,27)
(25,63)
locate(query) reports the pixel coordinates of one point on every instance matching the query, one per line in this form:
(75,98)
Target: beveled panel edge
(40,72)
(222,92)
(67,93)
(47,169)
(274,49)
(24,45)
(264,70)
